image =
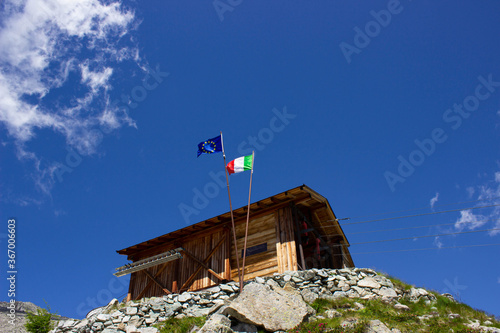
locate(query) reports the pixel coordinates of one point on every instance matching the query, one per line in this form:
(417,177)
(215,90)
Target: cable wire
(408,228)
(416,215)
(426,236)
(428,248)
(409,210)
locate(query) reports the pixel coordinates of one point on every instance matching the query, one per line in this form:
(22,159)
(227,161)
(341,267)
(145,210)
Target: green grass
(322,326)
(183,325)
(399,284)
(406,321)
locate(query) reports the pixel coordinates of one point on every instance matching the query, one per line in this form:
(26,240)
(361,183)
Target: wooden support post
(175,277)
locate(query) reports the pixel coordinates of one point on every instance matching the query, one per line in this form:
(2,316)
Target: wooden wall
(260,230)
(274,231)
(175,273)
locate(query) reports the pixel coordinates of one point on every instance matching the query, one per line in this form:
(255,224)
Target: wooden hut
(293,230)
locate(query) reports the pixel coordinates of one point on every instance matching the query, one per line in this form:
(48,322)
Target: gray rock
(273,284)
(137,322)
(260,280)
(103,317)
(402,307)
(387,292)
(130,329)
(308,275)
(116,314)
(369,282)
(273,309)
(184,297)
(339,294)
(308,295)
(148,330)
(130,311)
(361,291)
(226,288)
(376,326)
(109,330)
(332,313)
(359,305)
(217,324)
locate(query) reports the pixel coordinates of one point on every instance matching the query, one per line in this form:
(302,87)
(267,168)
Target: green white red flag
(240,164)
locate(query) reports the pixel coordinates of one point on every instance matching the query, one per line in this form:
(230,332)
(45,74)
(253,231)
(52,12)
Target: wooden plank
(264,272)
(141,294)
(253,271)
(192,256)
(157,282)
(198,269)
(278,242)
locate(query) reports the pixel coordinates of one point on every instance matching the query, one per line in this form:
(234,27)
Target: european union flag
(210,146)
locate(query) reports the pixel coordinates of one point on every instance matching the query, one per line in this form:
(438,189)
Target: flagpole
(246,227)
(232,217)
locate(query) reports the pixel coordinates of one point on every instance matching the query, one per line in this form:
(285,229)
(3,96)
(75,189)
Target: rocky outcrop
(275,303)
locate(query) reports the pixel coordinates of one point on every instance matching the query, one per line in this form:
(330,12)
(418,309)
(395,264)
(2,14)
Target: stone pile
(291,288)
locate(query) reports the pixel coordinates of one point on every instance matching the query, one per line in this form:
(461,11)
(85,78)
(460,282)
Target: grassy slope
(414,320)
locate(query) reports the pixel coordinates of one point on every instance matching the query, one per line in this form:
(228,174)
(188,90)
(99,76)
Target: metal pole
(246,227)
(231,209)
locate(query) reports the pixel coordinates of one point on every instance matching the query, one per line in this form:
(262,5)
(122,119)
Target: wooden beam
(157,282)
(150,283)
(193,276)
(211,271)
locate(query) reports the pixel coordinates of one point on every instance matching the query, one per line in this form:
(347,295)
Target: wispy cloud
(438,243)
(50,45)
(489,194)
(434,200)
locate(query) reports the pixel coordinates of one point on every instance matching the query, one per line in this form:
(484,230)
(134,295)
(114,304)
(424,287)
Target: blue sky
(380,107)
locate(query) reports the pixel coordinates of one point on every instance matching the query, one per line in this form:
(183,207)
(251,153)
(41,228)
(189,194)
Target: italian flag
(240,164)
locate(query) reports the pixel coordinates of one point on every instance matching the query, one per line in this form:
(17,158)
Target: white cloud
(438,243)
(469,220)
(434,200)
(489,194)
(470,191)
(50,44)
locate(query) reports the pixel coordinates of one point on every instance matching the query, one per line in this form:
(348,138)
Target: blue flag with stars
(210,146)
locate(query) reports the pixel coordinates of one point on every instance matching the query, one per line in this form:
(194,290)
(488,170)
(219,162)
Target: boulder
(275,310)
(217,324)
